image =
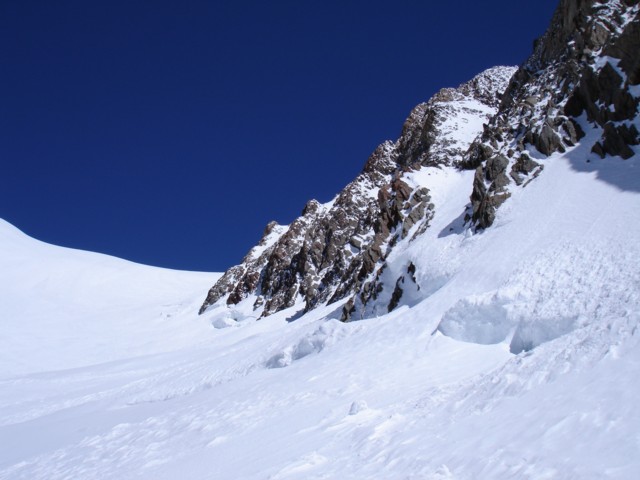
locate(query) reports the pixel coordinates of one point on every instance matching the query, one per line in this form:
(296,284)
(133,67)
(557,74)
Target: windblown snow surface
(518,358)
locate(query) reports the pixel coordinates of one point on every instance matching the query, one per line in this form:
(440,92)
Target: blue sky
(170,133)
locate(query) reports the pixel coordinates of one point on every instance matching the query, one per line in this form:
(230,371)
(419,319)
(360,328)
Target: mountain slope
(582,76)
(500,333)
(80,308)
(392,395)
(338,249)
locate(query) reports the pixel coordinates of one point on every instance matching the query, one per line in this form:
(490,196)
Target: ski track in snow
(107,372)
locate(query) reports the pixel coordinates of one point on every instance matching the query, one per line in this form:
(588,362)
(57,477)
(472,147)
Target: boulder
(496,166)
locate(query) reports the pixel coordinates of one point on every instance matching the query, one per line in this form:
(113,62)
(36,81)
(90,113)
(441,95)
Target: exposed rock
(524,166)
(499,183)
(603,96)
(496,166)
(598,150)
(396,295)
(411,270)
(547,141)
(478,153)
(581,70)
(484,200)
(573,132)
(583,65)
(532,100)
(417,214)
(625,47)
(336,251)
(616,141)
(428,136)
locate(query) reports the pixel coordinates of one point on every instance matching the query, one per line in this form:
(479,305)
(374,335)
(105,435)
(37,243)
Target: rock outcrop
(583,76)
(336,250)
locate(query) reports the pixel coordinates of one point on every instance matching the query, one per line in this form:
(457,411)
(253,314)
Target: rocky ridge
(583,76)
(337,250)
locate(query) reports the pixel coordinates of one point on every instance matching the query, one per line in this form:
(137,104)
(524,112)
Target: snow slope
(517,358)
(62,308)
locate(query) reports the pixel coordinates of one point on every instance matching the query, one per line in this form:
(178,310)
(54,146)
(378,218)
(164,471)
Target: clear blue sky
(171,132)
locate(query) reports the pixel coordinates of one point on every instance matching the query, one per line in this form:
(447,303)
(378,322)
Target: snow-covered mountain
(581,80)
(336,250)
(490,254)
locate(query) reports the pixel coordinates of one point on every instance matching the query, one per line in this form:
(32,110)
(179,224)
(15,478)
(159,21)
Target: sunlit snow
(518,359)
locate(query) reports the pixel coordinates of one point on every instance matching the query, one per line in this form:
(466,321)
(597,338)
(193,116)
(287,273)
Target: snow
(518,358)
(81,308)
(267,242)
(460,129)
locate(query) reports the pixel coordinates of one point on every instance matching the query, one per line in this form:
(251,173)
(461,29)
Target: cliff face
(579,86)
(334,250)
(583,75)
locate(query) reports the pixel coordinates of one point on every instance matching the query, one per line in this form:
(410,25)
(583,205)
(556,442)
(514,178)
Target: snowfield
(517,358)
(64,308)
